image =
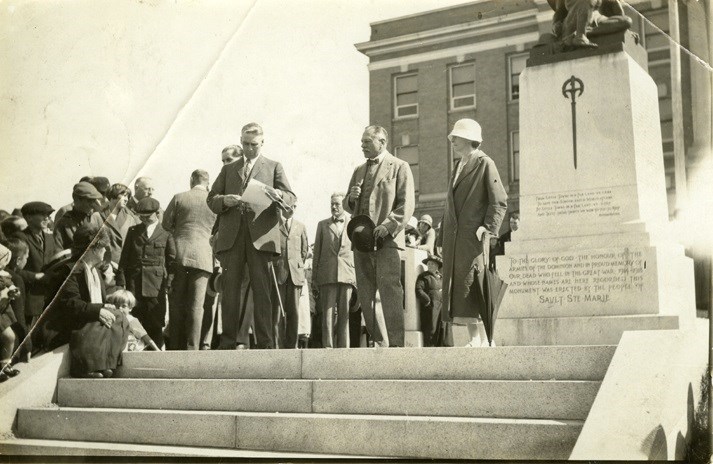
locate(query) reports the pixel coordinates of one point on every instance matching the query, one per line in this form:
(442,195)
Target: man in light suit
(333,274)
(243,238)
(290,275)
(190,221)
(383,189)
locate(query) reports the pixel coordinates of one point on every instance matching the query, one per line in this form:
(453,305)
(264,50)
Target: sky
(158,88)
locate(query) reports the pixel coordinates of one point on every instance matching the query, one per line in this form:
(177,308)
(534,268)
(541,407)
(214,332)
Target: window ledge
(406,118)
(460,110)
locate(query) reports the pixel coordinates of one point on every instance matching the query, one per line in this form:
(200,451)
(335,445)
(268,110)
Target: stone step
(36,447)
(397,436)
(593,330)
(499,363)
(569,400)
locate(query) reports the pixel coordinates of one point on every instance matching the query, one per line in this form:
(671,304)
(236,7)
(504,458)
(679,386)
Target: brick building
(430,69)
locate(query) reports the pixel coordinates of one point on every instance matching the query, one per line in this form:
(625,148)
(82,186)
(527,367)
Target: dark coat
(117,229)
(71,309)
(265,229)
(40,254)
(145,261)
(67,225)
(295,247)
(477,199)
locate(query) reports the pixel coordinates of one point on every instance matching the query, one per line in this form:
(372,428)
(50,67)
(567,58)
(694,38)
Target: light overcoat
(333,259)
(391,202)
(190,221)
(477,199)
(291,262)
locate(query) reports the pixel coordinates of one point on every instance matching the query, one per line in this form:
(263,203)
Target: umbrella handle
(485,241)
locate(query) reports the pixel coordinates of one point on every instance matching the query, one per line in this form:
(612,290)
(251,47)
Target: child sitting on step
(139,340)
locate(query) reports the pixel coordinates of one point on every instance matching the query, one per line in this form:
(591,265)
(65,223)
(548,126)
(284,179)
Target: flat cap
(85,190)
(36,207)
(147,205)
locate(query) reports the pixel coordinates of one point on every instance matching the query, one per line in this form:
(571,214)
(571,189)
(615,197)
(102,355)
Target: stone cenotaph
(594,255)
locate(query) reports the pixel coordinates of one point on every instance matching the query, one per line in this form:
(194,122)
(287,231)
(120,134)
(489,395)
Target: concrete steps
(441,403)
(569,400)
(418,436)
(34,447)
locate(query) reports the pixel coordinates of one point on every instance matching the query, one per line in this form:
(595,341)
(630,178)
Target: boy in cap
(86,201)
(42,248)
(146,267)
(428,292)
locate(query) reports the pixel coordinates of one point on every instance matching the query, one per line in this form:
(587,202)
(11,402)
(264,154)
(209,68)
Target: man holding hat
(146,267)
(475,207)
(86,201)
(42,248)
(381,190)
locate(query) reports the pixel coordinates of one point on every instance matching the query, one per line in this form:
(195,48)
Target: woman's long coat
(477,199)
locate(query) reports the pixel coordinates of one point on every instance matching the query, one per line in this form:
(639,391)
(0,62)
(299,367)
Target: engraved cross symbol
(572,88)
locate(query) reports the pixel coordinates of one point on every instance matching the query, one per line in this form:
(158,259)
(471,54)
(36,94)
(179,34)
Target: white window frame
(416,182)
(396,98)
(510,60)
(451,98)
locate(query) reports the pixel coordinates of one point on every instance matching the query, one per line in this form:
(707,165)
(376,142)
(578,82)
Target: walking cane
(277,289)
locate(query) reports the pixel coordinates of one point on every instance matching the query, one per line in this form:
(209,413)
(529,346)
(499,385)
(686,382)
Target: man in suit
(42,248)
(475,207)
(243,238)
(333,274)
(86,201)
(143,188)
(383,189)
(290,275)
(145,266)
(66,208)
(190,221)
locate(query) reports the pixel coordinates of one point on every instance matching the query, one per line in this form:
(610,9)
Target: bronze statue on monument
(576,21)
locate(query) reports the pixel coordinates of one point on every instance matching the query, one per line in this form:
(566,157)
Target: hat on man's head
(147,205)
(435,259)
(466,129)
(426,219)
(36,207)
(85,191)
(360,231)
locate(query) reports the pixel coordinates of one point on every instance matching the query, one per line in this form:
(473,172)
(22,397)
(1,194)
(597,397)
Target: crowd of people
(116,272)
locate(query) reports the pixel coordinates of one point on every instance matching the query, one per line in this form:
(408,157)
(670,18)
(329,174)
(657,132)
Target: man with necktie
(290,276)
(383,189)
(244,238)
(333,274)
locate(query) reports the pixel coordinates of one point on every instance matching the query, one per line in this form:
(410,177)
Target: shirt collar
(252,162)
(151,228)
(380,157)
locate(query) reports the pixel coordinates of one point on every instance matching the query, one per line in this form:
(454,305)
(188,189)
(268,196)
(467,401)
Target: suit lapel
(468,168)
(384,168)
(256,168)
(156,233)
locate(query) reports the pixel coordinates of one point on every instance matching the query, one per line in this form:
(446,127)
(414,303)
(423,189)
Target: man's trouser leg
(365,266)
(261,282)
(388,278)
(233,263)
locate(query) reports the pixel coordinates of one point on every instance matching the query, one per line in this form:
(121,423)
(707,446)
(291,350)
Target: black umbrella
(493,290)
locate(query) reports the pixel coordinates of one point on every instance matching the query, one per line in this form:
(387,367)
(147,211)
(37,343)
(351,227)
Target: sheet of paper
(256,196)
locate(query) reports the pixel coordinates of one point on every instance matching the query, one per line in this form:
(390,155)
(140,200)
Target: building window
(410,155)
(515,156)
(462,86)
(516,65)
(406,93)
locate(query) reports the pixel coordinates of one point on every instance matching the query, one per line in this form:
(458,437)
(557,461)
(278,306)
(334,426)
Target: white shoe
(470,344)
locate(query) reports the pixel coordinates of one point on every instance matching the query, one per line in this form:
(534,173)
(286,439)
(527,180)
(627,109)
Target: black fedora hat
(360,231)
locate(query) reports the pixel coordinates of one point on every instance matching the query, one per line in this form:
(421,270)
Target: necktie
(372,161)
(248,167)
(341,219)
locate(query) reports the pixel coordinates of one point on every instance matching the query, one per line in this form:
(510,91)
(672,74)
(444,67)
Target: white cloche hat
(467,129)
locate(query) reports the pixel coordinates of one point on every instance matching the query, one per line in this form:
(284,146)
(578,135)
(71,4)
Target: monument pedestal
(594,239)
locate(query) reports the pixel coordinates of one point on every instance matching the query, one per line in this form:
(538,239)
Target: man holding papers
(246,237)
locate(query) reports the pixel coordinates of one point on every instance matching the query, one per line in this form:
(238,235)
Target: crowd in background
(114,271)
